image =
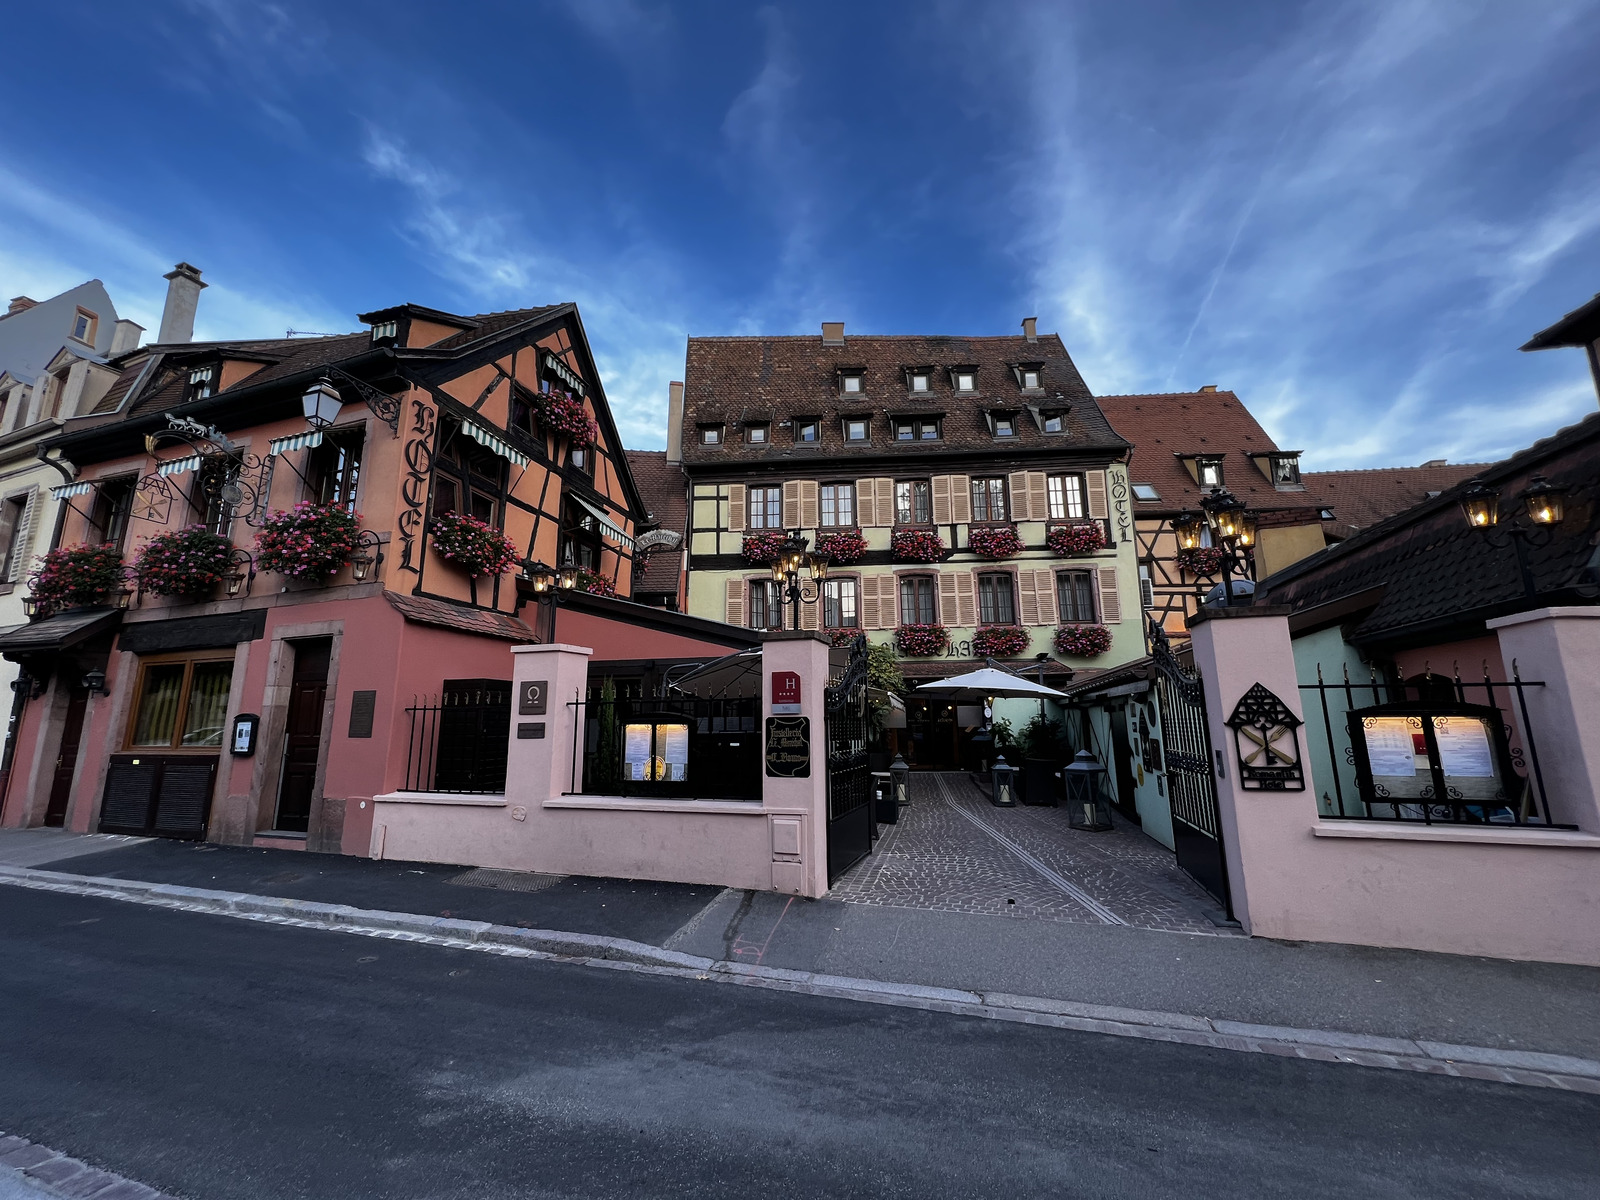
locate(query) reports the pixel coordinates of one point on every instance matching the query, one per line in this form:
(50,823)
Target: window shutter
(960,499)
(885,501)
(791,503)
(736,507)
(733,602)
(871,616)
(810,615)
(948,605)
(1110,602)
(22,556)
(1027,598)
(866,506)
(889,600)
(1038,495)
(1021,498)
(1044,583)
(1096,481)
(966,599)
(808,504)
(941,500)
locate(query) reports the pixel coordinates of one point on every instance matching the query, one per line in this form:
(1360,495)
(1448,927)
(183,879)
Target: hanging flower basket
(921,641)
(917,545)
(994,541)
(842,548)
(1083,641)
(761,548)
(564,415)
(69,576)
(1000,641)
(1081,537)
(1203,561)
(475,546)
(308,541)
(595,584)
(186,562)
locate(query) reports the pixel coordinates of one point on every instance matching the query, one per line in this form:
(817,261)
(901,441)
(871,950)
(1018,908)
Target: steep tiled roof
(488,324)
(661,485)
(468,620)
(735,380)
(1362,498)
(1167,424)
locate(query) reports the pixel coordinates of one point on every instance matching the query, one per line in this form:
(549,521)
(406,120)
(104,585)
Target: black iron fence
(674,746)
(459,739)
(1435,749)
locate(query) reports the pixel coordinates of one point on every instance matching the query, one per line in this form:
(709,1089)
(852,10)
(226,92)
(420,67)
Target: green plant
(309,541)
(183,562)
(71,575)
(475,546)
(1043,738)
(1004,740)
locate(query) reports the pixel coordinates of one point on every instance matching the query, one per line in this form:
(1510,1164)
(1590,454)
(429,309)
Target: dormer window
(917,380)
(1027,375)
(964,379)
(850,383)
(711,435)
(757,435)
(1002,424)
(84,323)
(202,382)
(856,429)
(923,429)
(1053,422)
(1208,471)
(1285,470)
(807,431)
(385,331)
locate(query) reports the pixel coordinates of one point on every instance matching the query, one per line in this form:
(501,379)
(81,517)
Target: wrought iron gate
(1191,787)
(851,828)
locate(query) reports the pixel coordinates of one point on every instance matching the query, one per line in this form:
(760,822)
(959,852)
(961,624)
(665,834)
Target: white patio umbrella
(986,683)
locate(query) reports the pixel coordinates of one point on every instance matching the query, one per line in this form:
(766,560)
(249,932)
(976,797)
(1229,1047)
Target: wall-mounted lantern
(369,554)
(321,404)
(95,682)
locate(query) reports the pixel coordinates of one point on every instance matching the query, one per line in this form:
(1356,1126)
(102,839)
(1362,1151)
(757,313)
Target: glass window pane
(208,704)
(157,717)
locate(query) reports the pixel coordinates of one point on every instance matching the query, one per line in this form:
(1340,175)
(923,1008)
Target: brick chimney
(674,422)
(1208,387)
(1030,328)
(20,304)
(833,333)
(183,297)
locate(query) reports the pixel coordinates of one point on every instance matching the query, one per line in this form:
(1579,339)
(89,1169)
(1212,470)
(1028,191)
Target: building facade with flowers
(968,493)
(289,573)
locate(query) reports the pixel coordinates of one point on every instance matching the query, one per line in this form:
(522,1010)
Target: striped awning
(607,525)
(488,438)
(178,466)
(295,441)
(67,490)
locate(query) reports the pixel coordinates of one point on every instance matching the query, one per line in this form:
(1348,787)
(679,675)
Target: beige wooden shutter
(1038,495)
(966,599)
(884,500)
(736,508)
(1044,585)
(866,505)
(22,555)
(871,616)
(791,503)
(1021,503)
(941,500)
(948,603)
(811,614)
(808,504)
(1096,481)
(1110,602)
(733,602)
(889,600)
(961,498)
(1027,598)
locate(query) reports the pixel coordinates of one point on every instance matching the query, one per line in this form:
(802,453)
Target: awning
(733,675)
(492,440)
(178,466)
(58,632)
(295,441)
(67,490)
(606,523)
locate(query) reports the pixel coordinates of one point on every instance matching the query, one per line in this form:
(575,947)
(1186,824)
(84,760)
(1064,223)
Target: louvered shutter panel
(1096,481)
(1044,586)
(1038,495)
(889,600)
(1021,498)
(1110,601)
(808,504)
(22,556)
(941,500)
(791,503)
(867,508)
(733,602)
(966,599)
(949,606)
(736,508)
(884,500)
(1027,598)
(871,616)
(961,498)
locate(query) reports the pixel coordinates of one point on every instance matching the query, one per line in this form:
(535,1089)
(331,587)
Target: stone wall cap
(795,635)
(553,648)
(1569,612)
(1238,610)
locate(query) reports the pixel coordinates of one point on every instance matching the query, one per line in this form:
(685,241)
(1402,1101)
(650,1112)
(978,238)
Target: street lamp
(1481,506)
(321,404)
(792,560)
(241,574)
(1186,527)
(540,577)
(1543,503)
(1233,530)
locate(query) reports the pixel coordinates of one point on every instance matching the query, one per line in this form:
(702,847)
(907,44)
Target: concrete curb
(1526,1068)
(59,1175)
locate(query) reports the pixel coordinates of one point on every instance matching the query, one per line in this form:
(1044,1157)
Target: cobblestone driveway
(954,851)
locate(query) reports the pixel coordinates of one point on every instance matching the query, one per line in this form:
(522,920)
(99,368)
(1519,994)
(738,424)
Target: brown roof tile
(1362,498)
(662,487)
(467,620)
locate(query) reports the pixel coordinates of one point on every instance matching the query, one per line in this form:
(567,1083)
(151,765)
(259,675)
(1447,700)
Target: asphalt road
(215,1058)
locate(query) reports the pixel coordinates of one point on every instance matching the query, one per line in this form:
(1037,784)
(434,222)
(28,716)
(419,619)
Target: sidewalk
(1540,1007)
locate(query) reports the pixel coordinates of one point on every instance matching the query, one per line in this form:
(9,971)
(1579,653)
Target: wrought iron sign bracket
(384,406)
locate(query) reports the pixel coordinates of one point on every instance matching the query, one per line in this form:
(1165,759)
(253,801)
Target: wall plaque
(529,729)
(786,693)
(531,695)
(361,708)
(789,747)
(1268,746)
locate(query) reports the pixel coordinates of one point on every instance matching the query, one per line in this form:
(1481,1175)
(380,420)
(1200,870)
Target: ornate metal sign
(1267,744)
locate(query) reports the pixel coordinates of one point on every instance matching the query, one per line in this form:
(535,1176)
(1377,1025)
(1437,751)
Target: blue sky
(1352,214)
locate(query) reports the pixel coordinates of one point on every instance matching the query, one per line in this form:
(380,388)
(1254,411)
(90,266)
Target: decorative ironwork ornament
(1266,743)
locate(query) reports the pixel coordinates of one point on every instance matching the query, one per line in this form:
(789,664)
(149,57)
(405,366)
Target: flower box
(921,641)
(595,584)
(994,541)
(69,576)
(842,548)
(761,548)
(475,546)
(1083,641)
(1000,641)
(842,637)
(1080,537)
(1203,561)
(309,541)
(916,545)
(565,416)
(186,562)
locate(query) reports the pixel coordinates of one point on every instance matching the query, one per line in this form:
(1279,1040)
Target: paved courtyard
(954,851)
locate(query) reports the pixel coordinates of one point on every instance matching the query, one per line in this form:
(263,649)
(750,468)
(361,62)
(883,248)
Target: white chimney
(1030,328)
(833,333)
(124,337)
(674,422)
(183,297)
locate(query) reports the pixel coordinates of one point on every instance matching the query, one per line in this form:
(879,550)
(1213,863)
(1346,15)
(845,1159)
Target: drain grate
(505,881)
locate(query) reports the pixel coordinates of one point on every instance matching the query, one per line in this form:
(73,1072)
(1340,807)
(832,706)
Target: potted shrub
(844,547)
(1083,641)
(565,416)
(921,641)
(916,545)
(994,541)
(475,546)
(74,576)
(762,546)
(309,541)
(1000,641)
(186,562)
(1080,537)
(1204,561)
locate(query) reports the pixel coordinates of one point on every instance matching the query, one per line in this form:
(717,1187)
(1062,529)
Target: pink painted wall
(616,640)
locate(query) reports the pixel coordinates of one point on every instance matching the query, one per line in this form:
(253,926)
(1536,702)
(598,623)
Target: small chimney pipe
(674,422)
(21,304)
(1030,328)
(833,333)
(183,297)
(124,337)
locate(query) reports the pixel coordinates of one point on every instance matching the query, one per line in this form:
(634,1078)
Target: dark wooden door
(302,737)
(55,813)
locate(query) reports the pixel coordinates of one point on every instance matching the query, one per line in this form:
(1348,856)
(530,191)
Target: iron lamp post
(789,571)
(1233,529)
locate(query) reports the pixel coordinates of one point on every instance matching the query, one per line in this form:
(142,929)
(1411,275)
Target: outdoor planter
(72,576)
(843,637)
(186,562)
(921,641)
(565,416)
(475,546)
(1083,641)
(595,584)
(1000,641)
(916,545)
(842,548)
(1204,561)
(309,541)
(1080,537)
(762,548)
(994,541)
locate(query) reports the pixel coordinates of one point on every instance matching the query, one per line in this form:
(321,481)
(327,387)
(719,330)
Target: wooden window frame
(836,581)
(803,423)
(840,487)
(190,660)
(1005,500)
(348,475)
(1093,578)
(917,579)
(1011,593)
(93,327)
(771,502)
(927,495)
(1066,506)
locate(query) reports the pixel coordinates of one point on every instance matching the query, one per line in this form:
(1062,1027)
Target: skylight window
(1145,492)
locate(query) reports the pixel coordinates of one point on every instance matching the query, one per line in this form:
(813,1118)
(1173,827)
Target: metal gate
(1191,787)
(851,828)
